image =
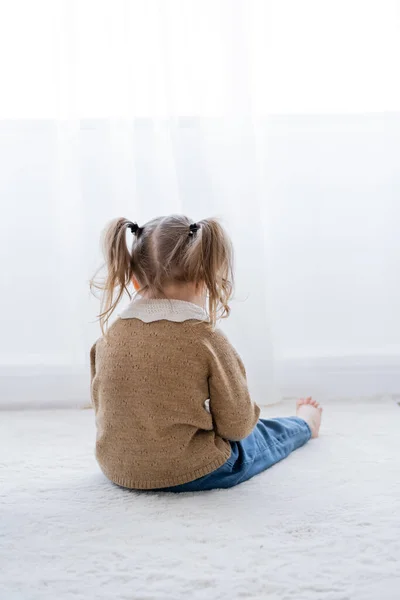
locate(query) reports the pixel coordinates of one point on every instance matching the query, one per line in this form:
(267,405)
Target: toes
(313,402)
(309,401)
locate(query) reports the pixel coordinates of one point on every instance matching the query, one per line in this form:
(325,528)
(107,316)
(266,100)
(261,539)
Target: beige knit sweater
(151,379)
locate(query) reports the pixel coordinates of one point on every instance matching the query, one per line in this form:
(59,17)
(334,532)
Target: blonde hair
(165,251)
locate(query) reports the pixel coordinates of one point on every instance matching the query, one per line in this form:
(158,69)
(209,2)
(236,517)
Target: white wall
(333,211)
(333,215)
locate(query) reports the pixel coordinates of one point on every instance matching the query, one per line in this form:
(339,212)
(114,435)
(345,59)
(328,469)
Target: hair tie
(134,227)
(193,228)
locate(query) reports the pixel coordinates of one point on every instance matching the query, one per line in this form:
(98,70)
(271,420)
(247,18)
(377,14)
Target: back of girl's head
(167,251)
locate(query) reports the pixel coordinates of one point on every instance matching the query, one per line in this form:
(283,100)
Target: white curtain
(278,116)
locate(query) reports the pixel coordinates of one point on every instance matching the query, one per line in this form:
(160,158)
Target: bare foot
(309,410)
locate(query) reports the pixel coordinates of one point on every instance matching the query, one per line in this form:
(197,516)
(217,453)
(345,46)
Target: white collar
(163,310)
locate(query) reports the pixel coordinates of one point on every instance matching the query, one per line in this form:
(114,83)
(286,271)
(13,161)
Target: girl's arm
(233,412)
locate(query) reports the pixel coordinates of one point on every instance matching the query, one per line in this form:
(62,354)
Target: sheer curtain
(141,108)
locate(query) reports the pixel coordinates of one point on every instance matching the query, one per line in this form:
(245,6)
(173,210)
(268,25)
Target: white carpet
(322,525)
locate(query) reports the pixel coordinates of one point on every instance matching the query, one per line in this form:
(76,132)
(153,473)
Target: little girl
(173,411)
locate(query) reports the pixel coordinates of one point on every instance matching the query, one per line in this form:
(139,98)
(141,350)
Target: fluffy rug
(322,525)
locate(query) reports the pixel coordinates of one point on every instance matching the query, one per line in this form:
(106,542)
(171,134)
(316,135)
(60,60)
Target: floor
(322,525)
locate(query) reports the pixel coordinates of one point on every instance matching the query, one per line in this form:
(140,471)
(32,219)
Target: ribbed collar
(163,310)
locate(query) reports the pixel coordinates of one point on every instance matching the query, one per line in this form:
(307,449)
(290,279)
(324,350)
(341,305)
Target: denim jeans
(269,442)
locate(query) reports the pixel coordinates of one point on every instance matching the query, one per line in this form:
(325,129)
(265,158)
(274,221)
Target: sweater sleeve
(92,368)
(93,361)
(234,414)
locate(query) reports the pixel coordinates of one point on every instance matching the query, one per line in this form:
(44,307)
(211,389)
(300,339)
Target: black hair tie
(134,227)
(193,228)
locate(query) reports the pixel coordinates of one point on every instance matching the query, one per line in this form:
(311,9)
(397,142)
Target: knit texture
(150,384)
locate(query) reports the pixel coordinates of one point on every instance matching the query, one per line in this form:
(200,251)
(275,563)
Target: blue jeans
(269,442)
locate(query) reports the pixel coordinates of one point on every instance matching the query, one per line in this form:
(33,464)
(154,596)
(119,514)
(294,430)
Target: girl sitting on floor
(173,411)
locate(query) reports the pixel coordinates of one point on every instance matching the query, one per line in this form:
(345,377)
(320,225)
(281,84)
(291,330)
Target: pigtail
(118,264)
(167,250)
(209,260)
